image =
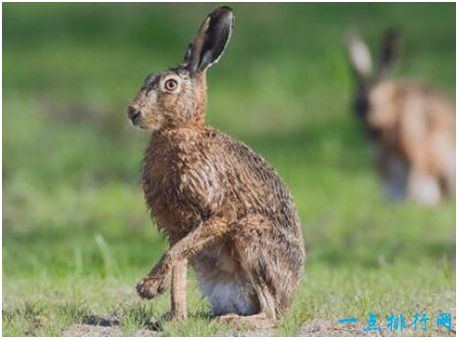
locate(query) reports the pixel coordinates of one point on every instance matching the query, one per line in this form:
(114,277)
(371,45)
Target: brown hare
(222,206)
(412,124)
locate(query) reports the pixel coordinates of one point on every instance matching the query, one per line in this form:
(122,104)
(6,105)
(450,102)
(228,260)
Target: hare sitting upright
(413,126)
(223,207)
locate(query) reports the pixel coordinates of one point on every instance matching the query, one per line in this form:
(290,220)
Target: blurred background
(73,210)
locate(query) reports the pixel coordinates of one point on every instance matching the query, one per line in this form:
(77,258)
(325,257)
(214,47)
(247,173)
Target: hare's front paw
(150,287)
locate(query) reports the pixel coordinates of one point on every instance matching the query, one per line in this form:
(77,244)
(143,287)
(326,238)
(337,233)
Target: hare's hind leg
(253,244)
(448,179)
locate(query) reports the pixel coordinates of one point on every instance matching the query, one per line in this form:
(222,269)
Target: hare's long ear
(211,40)
(389,52)
(359,56)
(187,55)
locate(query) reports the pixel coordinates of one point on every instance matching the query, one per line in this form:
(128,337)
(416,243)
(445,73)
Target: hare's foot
(151,286)
(255,321)
(423,188)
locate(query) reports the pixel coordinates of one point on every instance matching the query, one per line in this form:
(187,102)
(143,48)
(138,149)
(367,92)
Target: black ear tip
(222,10)
(392,34)
(225,8)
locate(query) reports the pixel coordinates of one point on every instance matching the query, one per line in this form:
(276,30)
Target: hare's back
(438,109)
(251,183)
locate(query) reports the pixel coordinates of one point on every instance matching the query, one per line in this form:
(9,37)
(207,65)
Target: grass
(76,233)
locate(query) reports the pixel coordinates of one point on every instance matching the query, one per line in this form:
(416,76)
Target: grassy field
(76,232)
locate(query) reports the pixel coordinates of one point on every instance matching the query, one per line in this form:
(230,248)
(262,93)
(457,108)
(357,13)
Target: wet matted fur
(225,209)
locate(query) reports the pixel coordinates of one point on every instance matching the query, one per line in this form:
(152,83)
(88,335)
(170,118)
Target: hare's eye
(171,85)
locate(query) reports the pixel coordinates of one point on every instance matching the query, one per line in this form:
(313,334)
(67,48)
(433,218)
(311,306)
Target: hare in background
(222,206)
(412,125)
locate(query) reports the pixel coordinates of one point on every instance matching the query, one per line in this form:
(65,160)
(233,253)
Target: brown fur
(224,208)
(412,124)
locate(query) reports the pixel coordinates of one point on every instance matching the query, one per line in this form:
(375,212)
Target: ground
(76,233)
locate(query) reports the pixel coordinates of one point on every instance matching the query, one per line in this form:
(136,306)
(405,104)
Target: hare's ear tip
(392,32)
(225,8)
(348,36)
(351,36)
(221,10)
(353,33)
(392,35)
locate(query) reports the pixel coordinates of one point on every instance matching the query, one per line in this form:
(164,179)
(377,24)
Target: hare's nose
(132,113)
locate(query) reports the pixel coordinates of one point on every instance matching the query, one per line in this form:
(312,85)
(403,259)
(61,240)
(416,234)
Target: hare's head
(177,97)
(375,95)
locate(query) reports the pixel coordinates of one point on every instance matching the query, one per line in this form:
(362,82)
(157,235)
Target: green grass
(76,232)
